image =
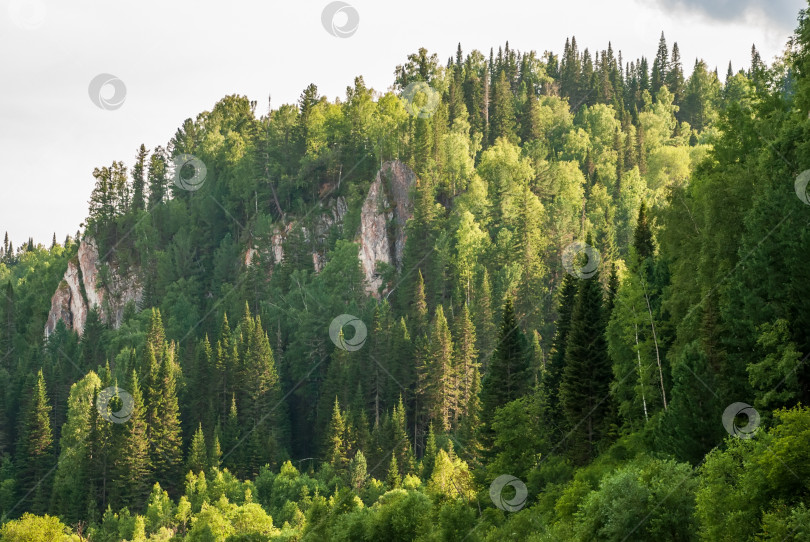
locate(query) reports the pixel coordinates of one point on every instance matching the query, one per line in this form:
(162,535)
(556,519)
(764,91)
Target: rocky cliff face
(68,303)
(385,212)
(335,209)
(81,290)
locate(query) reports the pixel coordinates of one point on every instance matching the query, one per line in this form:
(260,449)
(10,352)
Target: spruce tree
(421,342)
(198,454)
(139,180)
(503,111)
(92,345)
(642,238)
(133,463)
(35,449)
(470,426)
(429,459)
(466,360)
(231,435)
(158,177)
(584,389)
(474,94)
(262,409)
(400,440)
(507,377)
(675,80)
(361,436)
(335,448)
(442,389)
(484,321)
(531,127)
(215,452)
(8,321)
(160,372)
(419,312)
(226,367)
(612,290)
(402,362)
(393,478)
(380,351)
(659,70)
(201,403)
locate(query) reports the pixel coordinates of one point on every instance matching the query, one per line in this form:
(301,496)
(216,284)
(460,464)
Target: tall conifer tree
(584,389)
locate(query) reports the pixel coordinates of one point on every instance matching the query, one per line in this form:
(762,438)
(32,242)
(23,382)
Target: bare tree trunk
(657,355)
(640,374)
(377,395)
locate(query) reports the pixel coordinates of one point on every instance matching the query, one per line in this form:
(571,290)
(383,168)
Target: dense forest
(587,324)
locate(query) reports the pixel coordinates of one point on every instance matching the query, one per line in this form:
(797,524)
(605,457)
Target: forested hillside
(516,296)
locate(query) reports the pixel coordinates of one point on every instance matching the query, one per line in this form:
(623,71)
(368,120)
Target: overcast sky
(176,58)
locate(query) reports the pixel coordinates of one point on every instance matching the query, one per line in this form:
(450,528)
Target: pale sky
(178,57)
